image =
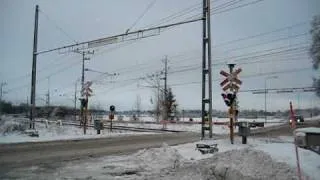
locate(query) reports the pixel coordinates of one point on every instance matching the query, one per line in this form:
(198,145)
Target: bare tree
(138,107)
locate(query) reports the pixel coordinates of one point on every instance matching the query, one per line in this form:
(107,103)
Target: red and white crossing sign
(231,81)
(87,91)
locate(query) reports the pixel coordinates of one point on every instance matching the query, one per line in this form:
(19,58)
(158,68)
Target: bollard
(46,123)
(59,122)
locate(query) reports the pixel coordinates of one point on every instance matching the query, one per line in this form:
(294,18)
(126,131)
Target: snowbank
(260,159)
(10,125)
(281,149)
(12,131)
(246,164)
(136,166)
(284,152)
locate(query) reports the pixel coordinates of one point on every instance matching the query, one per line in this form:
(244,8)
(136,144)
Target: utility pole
(158,105)
(265,95)
(206,70)
(75,101)
(48,93)
(48,99)
(34,68)
(232,106)
(1,94)
(165,88)
(138,104)
(27,109)
(84,58)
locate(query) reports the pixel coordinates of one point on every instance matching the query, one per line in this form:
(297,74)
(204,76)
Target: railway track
(125,128)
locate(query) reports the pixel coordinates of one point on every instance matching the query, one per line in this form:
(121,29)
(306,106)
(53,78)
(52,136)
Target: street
(53,154)
(36,153)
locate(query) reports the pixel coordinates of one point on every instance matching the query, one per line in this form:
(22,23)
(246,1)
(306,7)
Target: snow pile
(12,130)
(159,158)
(232,165)
(246,164)
(139,165)
(285,152)
(11,125)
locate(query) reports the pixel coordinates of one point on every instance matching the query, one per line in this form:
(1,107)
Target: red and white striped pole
(293,126)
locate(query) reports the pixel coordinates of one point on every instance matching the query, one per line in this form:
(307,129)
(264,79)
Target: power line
(262,34)
(258,44)
(266,53)
(227,10)
(228,2)
(249,76)
(175,15)
(58,27)
(190,9)
(174,61)
(141,16)
(50,66)
(255,55)
(240,6)
(44,78)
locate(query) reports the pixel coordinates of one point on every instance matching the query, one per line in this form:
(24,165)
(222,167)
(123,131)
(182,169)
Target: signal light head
(228,98)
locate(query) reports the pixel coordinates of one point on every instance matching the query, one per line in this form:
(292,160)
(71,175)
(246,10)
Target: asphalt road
(283,129)
(54,153)
(40,153)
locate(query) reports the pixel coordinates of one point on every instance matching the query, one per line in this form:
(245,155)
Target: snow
(11,131)
(284,152)
(195,127)
(312,118)
(261,158)
(308,130)
(281,149)
(134,166)
(182,127)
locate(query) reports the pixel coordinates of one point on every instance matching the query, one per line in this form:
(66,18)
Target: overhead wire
(44,78)
(141,16)
(241,6)
(58,27)
(219,11)
(223,5)
(143,66)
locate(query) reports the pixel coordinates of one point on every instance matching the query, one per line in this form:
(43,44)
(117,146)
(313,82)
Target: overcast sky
(283,51)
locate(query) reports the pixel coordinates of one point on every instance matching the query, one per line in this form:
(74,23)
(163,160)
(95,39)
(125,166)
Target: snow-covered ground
(11,128)
(281,149)
(11,131)
(261,158)
(217,129)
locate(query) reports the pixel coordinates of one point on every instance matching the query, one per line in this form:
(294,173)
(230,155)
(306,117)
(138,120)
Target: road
(283,129)
(39,153)
(53,153)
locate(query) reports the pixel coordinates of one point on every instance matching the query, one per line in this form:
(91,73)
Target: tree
(171,105)
(138,106)
(315,50)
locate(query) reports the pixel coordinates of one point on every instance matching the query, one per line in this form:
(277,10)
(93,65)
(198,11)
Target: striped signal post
(86,93)
(231,83)
(293,126)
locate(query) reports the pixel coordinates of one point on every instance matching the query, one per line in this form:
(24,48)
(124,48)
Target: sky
(265,39)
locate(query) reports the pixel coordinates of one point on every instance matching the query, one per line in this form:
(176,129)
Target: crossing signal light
(231,98)
(225,98)
(112,108)
(84,102)
(228,98)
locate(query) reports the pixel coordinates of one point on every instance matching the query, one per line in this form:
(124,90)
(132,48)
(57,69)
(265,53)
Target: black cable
(58,27)
(141,16)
